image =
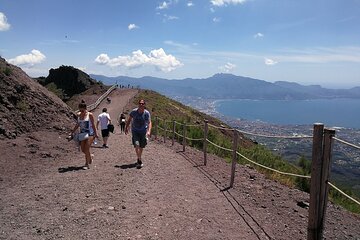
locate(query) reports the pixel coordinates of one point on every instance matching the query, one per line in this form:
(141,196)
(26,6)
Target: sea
(342,113)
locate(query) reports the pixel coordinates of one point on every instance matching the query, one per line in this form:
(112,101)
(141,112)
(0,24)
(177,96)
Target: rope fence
(271,169)
(273,136)
(321,157)
(222,128)
(93,106)
(214,144)
(194,139)
(347,143)
(344,194)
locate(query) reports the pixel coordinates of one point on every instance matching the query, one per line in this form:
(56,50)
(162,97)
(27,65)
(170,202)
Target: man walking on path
(140,120)
(104,119)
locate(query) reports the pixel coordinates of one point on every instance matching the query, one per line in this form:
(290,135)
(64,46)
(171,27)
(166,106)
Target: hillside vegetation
(167,110)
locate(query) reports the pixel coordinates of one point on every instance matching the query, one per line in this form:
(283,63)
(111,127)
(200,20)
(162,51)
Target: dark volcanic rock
(68,80)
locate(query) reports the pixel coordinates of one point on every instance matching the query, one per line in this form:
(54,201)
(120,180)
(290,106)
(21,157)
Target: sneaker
(139,164)
(86,167)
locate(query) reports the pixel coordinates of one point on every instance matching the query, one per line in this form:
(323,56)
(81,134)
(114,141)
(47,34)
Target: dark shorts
(104,132)
(139,139)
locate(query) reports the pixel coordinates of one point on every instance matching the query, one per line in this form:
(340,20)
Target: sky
(303,41)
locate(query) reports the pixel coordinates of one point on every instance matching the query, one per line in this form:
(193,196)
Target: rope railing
(96,104)
(178,134)
(347,143)
(321,156)
(344,194)
(273,136)
(272,169)
(222,128)
(194,139)
(194,125)
(214,144)
(93,106)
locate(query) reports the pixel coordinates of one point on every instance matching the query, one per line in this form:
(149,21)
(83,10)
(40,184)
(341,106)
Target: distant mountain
(228,86)
(319,92)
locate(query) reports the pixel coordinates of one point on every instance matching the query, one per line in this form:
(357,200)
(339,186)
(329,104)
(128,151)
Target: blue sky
(303,41)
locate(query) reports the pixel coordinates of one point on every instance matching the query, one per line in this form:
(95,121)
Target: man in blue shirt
(140,120)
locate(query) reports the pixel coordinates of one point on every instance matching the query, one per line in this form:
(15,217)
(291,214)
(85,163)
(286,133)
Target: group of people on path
(139,119)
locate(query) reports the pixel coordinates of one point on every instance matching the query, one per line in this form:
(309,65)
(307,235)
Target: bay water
(332,112)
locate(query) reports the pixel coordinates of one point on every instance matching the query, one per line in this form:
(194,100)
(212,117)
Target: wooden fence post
(184,137)
(173,132)
(234,158)
(325,175)
(156,126)
(165,131)
(320,168)
(206,128)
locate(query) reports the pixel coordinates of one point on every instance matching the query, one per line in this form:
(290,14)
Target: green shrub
(22,106)
(7,71)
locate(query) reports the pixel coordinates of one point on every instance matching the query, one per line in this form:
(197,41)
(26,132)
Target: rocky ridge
(26,106)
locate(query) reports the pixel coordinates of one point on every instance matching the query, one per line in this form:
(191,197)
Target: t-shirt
(104,118)
(140,121)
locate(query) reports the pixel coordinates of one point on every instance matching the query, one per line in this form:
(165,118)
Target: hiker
(85,120)
(122,122)
(108,100)
(104,120)
(140,120)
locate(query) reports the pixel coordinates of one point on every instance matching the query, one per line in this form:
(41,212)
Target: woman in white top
(85,122)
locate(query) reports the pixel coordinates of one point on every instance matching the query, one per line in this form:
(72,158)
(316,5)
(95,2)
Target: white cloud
(270,62)
(216,19)
(258,35)
(4,25)
(220,3)
(190,4)
(132,26)
(157,58)
(31,59)
(175,44)
(228,67)
(163,5)
(171,17)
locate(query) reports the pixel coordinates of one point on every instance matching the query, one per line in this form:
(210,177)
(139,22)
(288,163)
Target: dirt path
(44,194)
(166,199)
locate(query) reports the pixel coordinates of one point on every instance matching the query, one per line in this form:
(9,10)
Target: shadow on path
(69,169)
(126,166)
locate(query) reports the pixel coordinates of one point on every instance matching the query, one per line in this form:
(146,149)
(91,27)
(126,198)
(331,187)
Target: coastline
(346,161)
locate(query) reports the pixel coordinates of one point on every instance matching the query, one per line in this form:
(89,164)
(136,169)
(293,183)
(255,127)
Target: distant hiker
(140,121)
(85,120)
(122,122)
(104,120)
(108,100)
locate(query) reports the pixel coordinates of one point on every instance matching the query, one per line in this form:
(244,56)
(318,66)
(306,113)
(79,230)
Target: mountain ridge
(229,86)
